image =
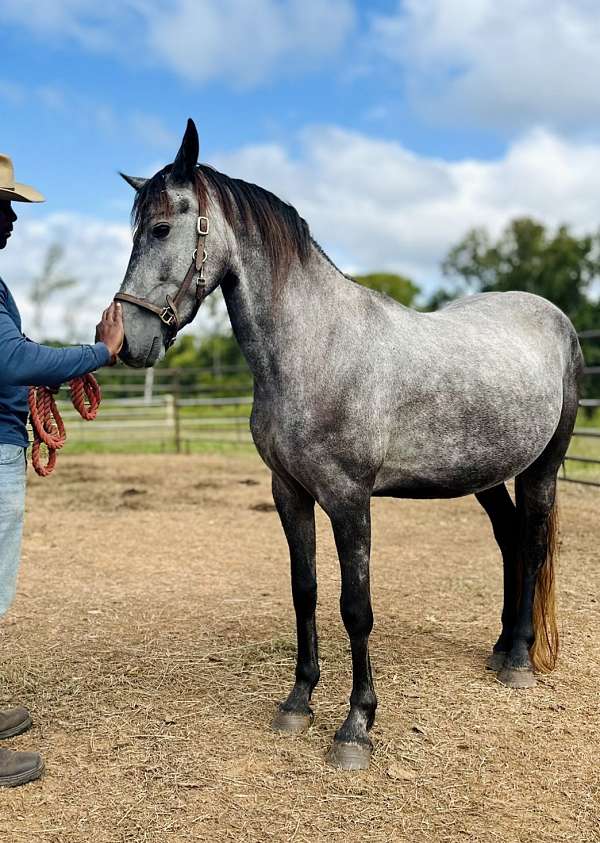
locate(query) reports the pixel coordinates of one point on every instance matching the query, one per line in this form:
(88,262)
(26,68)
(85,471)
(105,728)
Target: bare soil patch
(154,633)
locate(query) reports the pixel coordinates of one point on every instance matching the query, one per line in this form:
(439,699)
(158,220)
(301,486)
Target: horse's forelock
(153,197)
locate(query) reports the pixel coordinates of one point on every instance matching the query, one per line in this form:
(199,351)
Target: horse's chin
(141,357)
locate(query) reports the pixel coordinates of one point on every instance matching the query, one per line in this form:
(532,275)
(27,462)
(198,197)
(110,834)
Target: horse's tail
(544,650)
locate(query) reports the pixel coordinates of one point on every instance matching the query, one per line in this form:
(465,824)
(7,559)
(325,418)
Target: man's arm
(26,363)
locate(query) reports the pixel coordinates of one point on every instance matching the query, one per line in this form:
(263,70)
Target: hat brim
(21,193)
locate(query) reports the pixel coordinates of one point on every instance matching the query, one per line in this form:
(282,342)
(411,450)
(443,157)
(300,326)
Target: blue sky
(98,111)
(392,126)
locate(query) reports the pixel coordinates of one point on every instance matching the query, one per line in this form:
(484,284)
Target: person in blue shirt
(22,364)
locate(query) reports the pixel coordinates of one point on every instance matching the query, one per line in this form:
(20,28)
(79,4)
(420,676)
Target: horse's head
(166,279)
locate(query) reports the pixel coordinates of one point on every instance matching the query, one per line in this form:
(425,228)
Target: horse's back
(508,338)
(479,394)
(518,317)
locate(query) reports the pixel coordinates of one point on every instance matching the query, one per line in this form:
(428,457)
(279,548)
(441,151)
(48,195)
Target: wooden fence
(164,410)
(585,438)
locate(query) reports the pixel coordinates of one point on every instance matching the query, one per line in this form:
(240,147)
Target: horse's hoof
(349,756)
(517,677)
(495,660)
(291,722)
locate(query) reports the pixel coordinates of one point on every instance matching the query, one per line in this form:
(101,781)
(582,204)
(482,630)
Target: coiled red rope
(46,421)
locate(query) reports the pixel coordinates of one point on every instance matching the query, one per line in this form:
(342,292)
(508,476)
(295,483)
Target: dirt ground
(154,633)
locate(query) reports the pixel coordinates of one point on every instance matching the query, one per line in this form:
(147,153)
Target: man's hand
(110,329)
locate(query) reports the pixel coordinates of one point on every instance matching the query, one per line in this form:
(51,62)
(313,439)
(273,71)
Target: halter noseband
(169,314)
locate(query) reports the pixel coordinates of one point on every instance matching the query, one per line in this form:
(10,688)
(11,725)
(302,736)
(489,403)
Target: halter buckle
(168,317)
(203,226)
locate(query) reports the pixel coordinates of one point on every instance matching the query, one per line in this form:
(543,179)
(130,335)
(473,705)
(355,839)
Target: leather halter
(169,313)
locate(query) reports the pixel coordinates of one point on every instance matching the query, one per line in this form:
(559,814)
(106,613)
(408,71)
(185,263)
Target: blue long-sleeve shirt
(24,363)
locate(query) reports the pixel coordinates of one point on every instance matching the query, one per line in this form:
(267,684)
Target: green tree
(214,361)
(217,351)
(557,265)
(396,286)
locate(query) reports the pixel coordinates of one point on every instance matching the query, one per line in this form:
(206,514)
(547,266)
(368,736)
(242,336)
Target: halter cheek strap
(169,312)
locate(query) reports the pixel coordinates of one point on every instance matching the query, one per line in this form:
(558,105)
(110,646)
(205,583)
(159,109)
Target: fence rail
(163,409)
(583,433)
(165,423)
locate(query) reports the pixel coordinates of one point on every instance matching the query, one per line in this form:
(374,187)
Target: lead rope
(46,421)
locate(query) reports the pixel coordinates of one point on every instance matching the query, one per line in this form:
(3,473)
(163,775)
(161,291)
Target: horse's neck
(273,320)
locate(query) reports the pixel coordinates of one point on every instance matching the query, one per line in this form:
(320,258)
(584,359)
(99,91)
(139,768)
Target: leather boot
(19,767)
(14,721)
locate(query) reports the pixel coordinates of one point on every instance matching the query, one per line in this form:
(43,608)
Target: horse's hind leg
(503,515)
(535,494)
(297,513)
(535,636)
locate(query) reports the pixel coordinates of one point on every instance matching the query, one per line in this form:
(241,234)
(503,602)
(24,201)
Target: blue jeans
(12,510)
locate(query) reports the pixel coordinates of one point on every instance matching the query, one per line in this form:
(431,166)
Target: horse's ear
(184,165)
(135,181)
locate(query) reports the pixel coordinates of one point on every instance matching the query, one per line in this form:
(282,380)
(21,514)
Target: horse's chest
(271,432)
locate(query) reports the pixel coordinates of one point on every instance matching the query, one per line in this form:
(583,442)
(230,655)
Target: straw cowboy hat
(11,190)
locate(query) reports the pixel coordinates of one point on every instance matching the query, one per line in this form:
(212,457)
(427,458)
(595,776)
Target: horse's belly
(432,460)
(400,483)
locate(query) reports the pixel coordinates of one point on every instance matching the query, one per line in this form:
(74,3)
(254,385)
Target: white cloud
(509,64)
(242,42)
(503,65)
(89,23)
(373,205)
(95,253)
(248,42)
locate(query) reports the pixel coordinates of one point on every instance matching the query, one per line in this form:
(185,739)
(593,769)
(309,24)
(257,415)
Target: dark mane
(282,230)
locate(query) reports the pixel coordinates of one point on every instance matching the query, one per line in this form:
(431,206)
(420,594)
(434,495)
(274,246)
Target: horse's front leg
(297,512)
(352,530)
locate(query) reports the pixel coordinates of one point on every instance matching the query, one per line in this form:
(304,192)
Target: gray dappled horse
(355,396)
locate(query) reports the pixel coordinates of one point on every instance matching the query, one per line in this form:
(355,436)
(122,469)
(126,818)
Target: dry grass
(153,634)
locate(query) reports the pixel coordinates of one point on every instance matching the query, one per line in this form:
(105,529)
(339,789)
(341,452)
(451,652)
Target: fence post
(148,386)
(176,397)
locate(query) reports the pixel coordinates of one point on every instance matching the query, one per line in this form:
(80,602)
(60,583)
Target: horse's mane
(282,230)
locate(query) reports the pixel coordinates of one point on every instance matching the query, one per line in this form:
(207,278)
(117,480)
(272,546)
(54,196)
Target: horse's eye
(161,230)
